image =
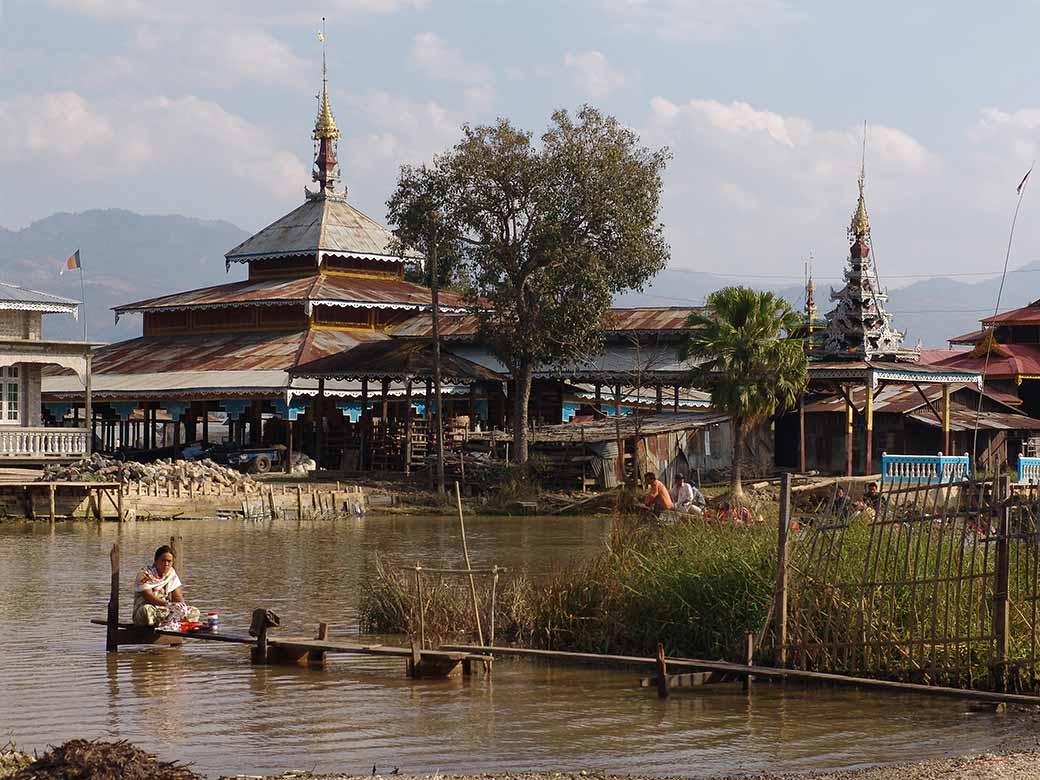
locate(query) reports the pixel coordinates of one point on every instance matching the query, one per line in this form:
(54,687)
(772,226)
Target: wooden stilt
(51,502)
(111,632)
(801,434)
(662,673)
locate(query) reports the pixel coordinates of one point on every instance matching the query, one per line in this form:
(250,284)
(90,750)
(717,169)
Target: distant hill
(125,256)
(932,310)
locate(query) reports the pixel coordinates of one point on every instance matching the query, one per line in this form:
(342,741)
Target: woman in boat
(158,598)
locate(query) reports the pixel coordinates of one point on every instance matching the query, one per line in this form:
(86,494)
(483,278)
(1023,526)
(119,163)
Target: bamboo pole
(780,603)
(469,568)
(422,605)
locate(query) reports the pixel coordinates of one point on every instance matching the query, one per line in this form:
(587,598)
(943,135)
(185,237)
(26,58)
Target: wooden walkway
(749,671)
(304,650)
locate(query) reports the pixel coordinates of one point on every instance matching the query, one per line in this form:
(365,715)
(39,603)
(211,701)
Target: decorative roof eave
(308,306)
(321,255)
(46,308)
(876,374)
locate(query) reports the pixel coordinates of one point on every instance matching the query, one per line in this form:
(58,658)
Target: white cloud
(593,74)
(64,137)
(698,19)
(760,188)
(441,61)
(258,12)
(204,57)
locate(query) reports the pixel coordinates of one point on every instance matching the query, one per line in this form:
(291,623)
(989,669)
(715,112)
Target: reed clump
(697,587)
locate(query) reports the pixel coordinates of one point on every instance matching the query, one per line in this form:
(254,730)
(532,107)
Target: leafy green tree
(745,354)
(547,233)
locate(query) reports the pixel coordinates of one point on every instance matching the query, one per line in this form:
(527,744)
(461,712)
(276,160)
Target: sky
(205,109)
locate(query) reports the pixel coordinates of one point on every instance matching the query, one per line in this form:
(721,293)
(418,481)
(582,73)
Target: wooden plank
(349,648)
(232,637)
(739,670)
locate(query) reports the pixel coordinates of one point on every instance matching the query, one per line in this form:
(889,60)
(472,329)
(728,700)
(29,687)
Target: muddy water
(205,704)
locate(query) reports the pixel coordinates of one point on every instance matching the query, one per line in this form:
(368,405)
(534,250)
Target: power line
(793,277)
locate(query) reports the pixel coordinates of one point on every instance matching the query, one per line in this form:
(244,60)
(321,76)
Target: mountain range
(128,257)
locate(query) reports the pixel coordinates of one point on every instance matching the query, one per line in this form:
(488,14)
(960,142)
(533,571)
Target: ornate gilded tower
(858,327)
(326,137)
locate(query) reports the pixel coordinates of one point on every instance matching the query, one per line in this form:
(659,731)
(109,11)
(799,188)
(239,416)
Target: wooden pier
(51,500)
(273,650)
(296,650)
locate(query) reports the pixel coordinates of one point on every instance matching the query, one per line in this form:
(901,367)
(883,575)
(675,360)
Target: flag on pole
(1022,183)
(71,264)
(321,37)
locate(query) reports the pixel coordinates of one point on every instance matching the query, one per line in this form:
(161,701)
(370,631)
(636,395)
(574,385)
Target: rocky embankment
(185,473)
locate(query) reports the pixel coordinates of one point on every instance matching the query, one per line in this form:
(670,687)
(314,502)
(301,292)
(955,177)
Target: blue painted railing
(1028,469)
(924,468)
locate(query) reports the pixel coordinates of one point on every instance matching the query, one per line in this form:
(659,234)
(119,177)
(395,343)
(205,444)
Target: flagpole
(83,298)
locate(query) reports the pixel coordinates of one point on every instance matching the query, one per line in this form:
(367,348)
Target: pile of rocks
(98,468)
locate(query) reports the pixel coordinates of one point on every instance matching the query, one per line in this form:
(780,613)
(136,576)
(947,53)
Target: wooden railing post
(662,672)
(780,595)
(1001,596)
(112,629)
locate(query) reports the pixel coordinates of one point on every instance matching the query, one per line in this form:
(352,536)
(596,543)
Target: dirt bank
(1009,766)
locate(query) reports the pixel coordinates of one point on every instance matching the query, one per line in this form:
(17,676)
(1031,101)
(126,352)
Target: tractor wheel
(261,464)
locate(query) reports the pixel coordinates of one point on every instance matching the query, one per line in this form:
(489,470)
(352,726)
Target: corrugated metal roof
(324,223)
(1026,315)
(224,352)
(1006,361)
(963,419)
(607,428)
(635,320)
(650,319)
(617,363)
(14,297)
(395,359)
(168,384)
(317,289)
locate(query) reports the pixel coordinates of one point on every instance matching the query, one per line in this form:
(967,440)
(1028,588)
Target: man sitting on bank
(686,498)
(657,497)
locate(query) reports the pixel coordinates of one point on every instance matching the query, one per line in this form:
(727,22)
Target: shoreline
(1012,765)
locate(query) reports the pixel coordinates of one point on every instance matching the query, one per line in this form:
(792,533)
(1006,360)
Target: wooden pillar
(675,399)
(384,409)
(288,443)
(946,419)
(472,404)
(599,397)
(363,423)
(868,455)
(801,433)
(429,430)
(205,422)
(408,426)
(848,433)
(617,400)
(177,431)
(659,405)
(319,423)
(89,406)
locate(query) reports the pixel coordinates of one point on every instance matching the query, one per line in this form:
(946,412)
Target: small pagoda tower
(859,327)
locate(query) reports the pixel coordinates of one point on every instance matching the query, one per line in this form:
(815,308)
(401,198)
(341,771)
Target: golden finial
(860,226)
(325,125)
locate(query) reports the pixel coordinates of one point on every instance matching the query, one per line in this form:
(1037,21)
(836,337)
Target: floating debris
(81,759)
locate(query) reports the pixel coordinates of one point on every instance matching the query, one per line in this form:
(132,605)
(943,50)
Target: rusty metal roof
(629,321)
(963,419)
(224,352)
(607,429)
(395,360)
(316,290)
(653,319)
(1027,315)
(324,224)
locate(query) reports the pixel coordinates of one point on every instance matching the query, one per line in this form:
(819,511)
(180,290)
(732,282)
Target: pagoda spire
(859,327)
(326,134)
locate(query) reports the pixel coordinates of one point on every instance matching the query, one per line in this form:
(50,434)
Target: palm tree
(742,350)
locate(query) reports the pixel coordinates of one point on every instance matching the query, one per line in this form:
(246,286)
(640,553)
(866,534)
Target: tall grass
(696,587)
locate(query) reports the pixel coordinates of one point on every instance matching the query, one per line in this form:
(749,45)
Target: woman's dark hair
(163,550)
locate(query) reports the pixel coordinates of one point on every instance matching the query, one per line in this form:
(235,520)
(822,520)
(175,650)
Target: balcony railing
(42,443)
(924,468)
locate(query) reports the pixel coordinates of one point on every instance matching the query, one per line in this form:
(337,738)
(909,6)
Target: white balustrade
(42,443)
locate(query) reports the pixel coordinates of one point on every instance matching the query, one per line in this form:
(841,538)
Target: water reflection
(208,705)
